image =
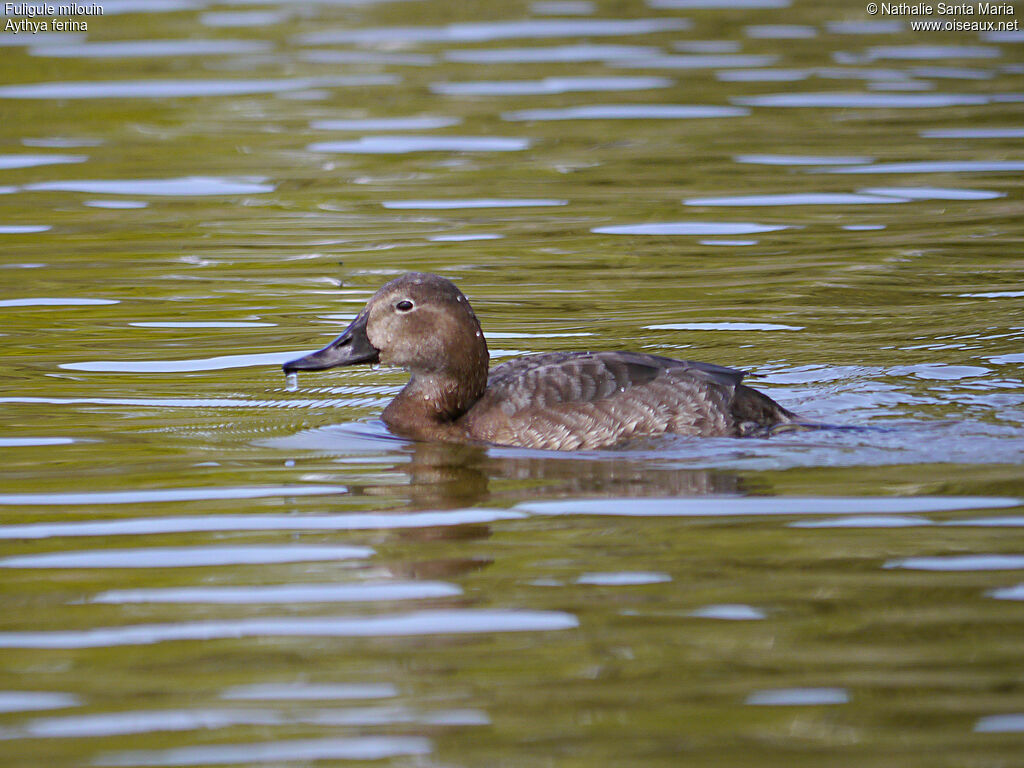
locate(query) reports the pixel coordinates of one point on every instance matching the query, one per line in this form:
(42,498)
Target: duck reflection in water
(556,400)
(441,476)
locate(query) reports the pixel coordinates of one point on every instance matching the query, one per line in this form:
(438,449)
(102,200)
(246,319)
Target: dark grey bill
(350,348)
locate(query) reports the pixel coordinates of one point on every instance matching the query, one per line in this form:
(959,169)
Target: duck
(562,401)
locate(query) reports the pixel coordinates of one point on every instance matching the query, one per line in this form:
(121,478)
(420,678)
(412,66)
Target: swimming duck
(553,400)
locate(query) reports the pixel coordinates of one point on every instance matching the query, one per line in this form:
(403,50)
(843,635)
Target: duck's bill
(350,348)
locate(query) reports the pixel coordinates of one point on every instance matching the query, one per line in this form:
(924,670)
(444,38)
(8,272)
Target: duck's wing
(566,400)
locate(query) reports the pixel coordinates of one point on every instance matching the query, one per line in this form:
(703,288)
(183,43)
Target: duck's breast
(568,401)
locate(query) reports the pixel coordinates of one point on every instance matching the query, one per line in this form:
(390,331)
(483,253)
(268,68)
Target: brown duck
(555,400)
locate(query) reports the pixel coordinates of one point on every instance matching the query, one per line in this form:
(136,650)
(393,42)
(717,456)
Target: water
(203,563)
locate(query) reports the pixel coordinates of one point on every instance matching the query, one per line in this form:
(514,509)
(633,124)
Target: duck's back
(573,400)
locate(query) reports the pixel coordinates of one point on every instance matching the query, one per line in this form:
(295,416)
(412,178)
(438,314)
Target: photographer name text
(950,16)
(945,9)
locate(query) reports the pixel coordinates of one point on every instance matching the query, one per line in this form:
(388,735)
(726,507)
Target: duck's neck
(432,402)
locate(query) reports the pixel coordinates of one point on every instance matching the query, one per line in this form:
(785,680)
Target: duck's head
(419,321)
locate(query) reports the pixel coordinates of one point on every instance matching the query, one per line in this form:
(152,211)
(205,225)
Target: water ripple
(184,557)
(959,563)
(199,402)
(188,186)
(548,85)
(934,193)
(219,363)
(420,623)
(21,442)
(27,701)
(562,53)
(417,123)
(472,203)
(304,750)
(798,697)
(623,579)
(309,691)
(939,166)
(723,326)
(794,198)
(498,30)
(743,506)
(627,112)
(392,145)
(698,61)
(31,161)
(196,523)
(854,100)
(21,229)
(974,133)
(715,4)
(169,494)
(780,31)
(729,612)
(284,593)
(933,52)
(1013,723)
(151,48)
(864,521)
(167,89)
(802,159)
(54,302)
(690,228)
(154,721)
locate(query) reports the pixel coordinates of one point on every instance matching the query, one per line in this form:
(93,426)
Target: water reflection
(31,161)
(218,363)
(168,89)
(795,198)
(630,579)
(555,54)
(549,85)
(974,133)
(392,145)
(780,31)
(184,557)
(187,187)
(352,521)
(689,574)
(697,61)
(944,166)
(627,112)
(355,748)
(690,228)
(852,100)
(444,205)
(310,691)
(933,52)
(711,4)
(151,48)
(284,593)
(141,721)
(731,612)
(798,697)
(498,30)
(139,496)
(439,622)
(55,302)
(418,123)
(28,701)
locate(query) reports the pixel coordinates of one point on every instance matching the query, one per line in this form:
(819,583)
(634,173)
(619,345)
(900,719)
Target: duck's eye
(404,305)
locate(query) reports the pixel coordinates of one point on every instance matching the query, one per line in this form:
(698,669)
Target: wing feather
(570,400)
